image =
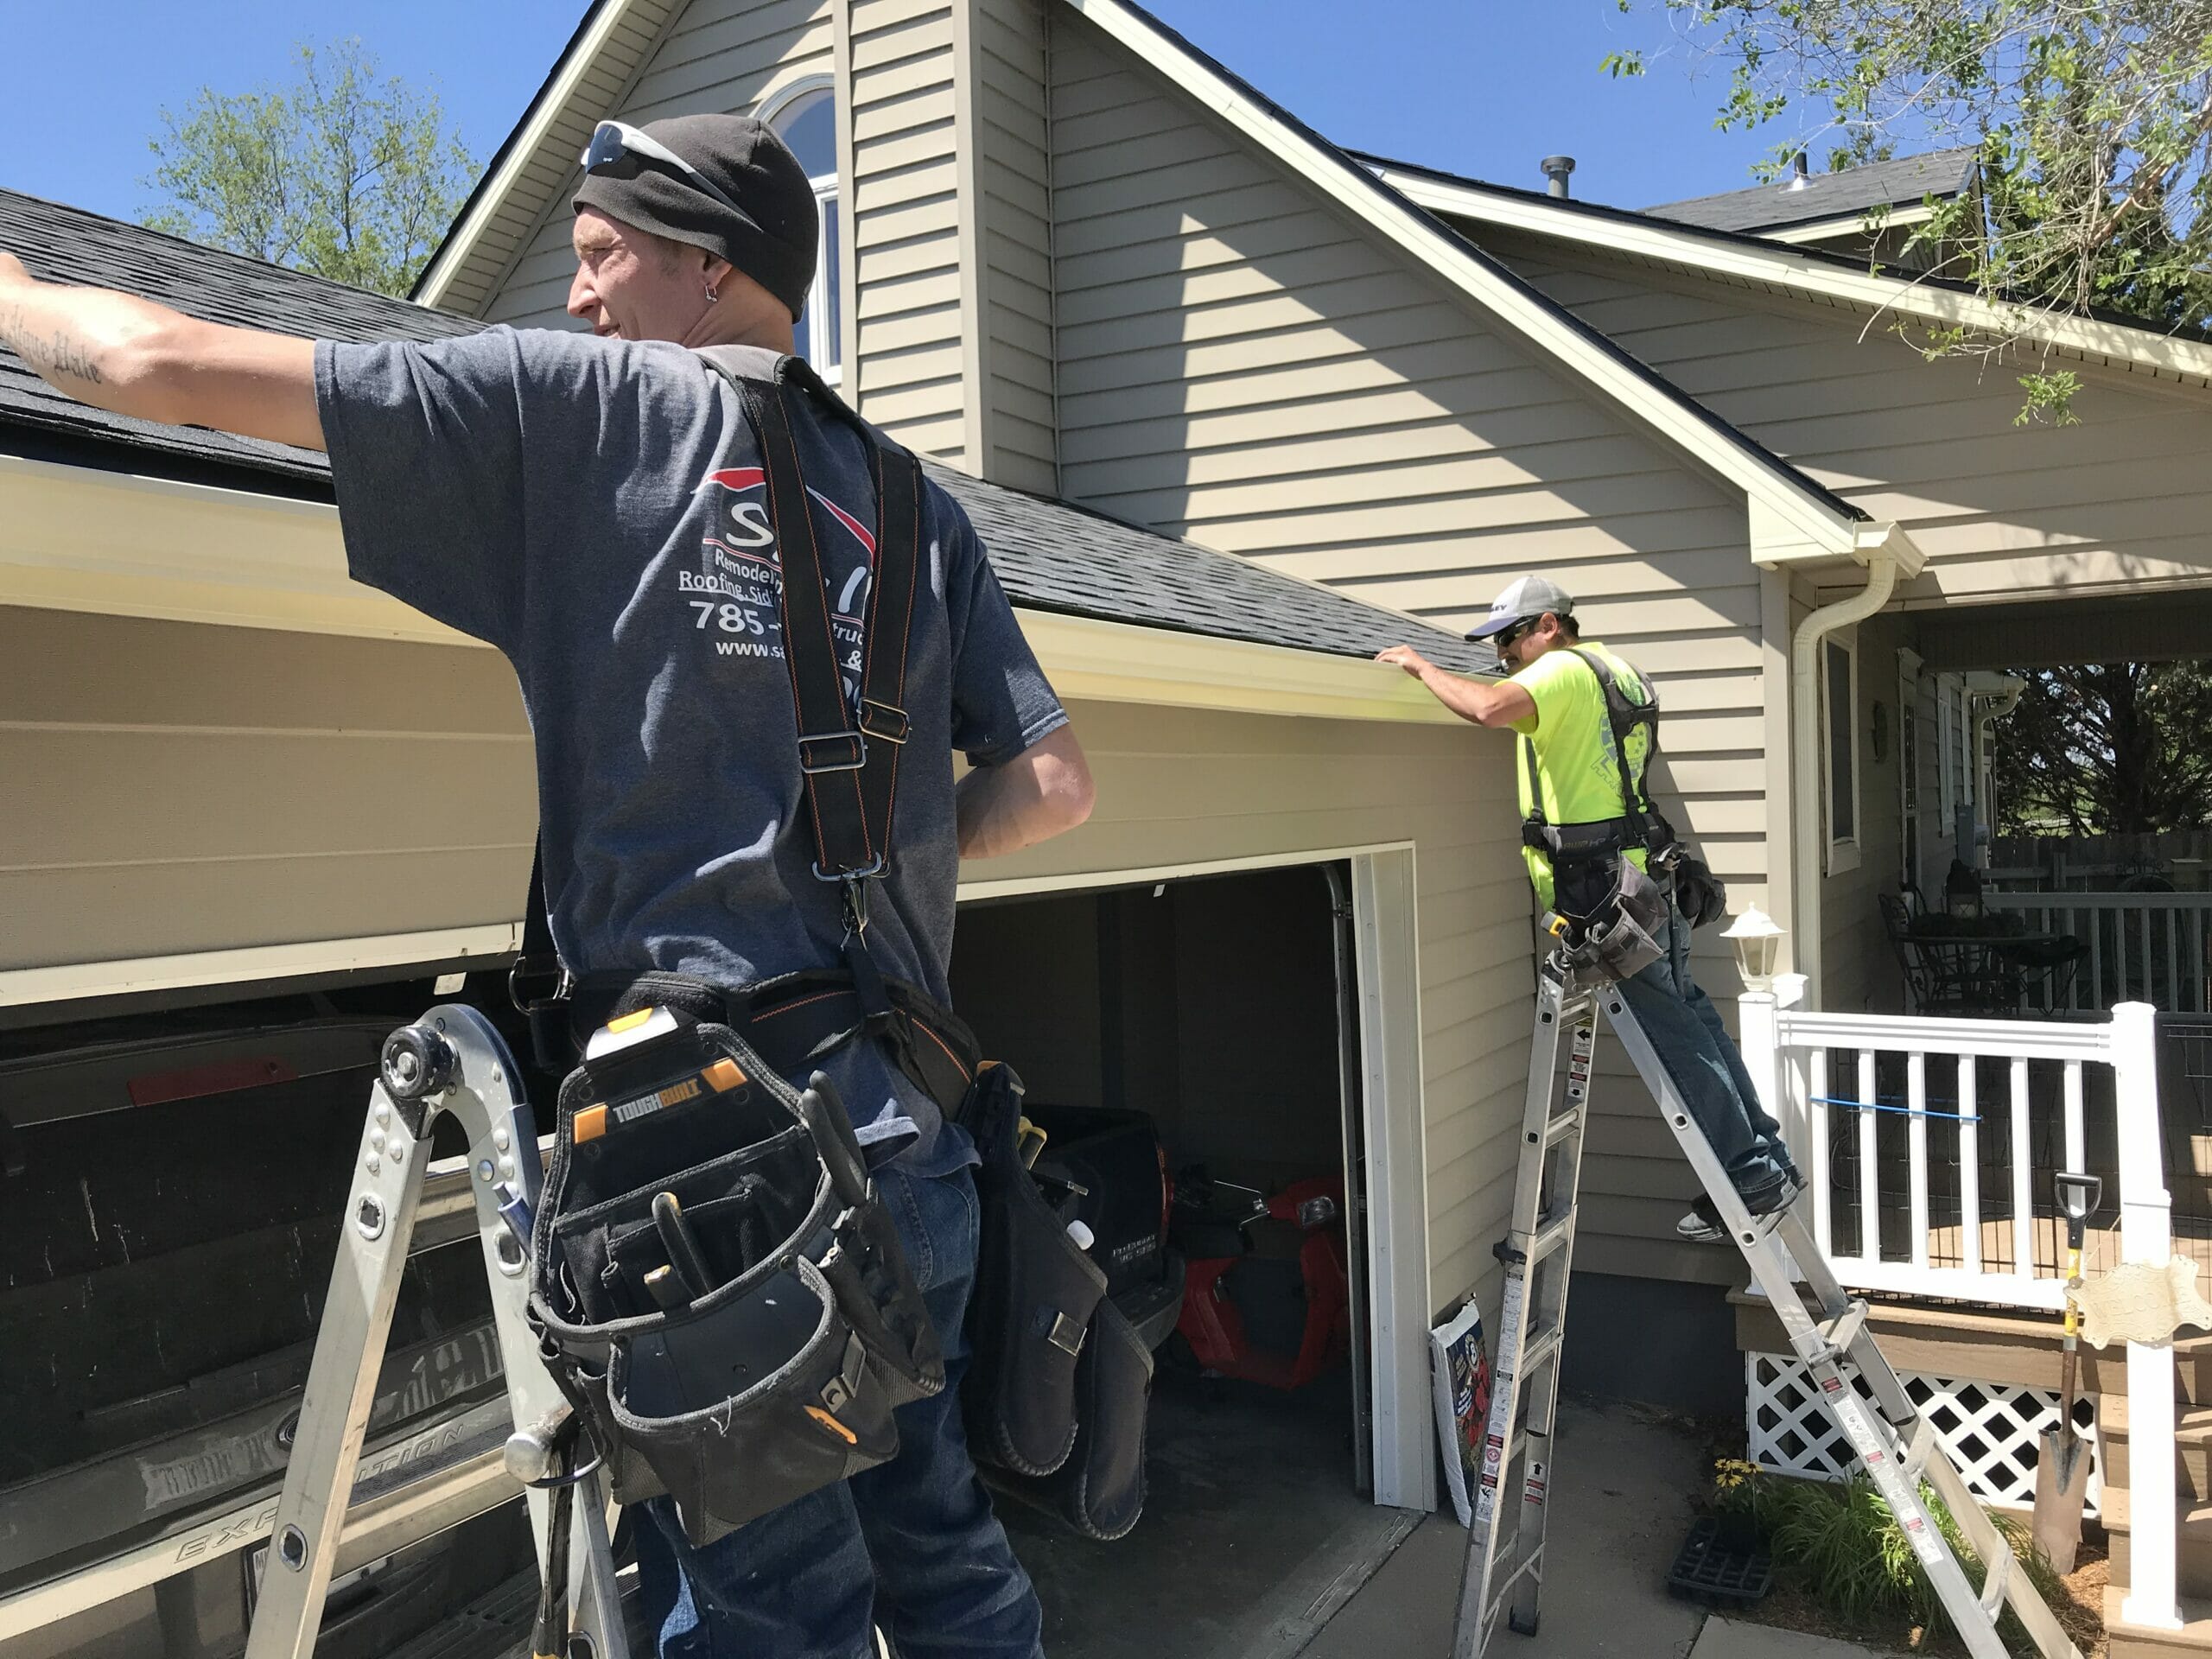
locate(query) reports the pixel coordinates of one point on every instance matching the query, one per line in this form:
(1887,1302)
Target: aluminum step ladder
(1504,1572)
(451,1061)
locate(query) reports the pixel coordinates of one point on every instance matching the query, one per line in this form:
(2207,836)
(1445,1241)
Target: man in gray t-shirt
(593,508)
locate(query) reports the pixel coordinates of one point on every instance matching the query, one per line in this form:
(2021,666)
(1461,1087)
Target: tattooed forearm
(57,352)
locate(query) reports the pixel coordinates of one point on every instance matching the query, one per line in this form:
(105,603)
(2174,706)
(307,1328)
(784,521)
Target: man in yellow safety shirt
(1573,748)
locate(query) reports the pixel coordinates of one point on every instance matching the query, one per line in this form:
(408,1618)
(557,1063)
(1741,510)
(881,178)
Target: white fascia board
(1785,266)
(1778,544)
(1119,662)
(74,538)
(252,965)
(462,244)
(1496,291)
(1917,212)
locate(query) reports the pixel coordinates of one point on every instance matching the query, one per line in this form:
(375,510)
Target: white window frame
(822,347)
(1842,851)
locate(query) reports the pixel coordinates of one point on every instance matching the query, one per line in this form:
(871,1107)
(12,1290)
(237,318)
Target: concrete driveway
(1622,1486)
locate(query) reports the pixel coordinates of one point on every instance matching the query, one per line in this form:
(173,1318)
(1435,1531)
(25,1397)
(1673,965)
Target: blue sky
(1483,86)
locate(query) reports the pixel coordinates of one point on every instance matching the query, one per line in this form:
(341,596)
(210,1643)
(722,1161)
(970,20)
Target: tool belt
(713,1283)
(1612,917)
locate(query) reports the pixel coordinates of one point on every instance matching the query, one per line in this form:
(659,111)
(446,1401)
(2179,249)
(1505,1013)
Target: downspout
(1805,771)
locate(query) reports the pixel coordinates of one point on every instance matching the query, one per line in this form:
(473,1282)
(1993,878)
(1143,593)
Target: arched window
(807,121)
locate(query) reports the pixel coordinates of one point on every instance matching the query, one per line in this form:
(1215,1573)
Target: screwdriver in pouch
(683,1247)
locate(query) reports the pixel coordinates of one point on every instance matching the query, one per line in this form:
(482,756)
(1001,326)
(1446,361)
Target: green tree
(340,173)
(2094,122)
(2106,748)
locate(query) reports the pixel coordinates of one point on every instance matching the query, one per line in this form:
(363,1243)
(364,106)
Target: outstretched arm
(120,352)
(1044,791)
(1485,705)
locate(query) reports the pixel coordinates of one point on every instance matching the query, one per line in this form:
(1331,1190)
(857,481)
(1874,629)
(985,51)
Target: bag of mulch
(1461,1372)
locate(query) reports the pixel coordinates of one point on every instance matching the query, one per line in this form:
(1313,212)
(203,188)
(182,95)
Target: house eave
(1805,273)
(1891,217)
(73,540)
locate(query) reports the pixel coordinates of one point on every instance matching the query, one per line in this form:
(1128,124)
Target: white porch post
(1759,1039)
(2146,1236)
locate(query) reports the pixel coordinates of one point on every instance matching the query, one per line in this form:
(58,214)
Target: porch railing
(1930,1144)
(2145,947)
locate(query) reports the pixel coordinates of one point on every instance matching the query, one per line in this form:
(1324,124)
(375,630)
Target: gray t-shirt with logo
(596,510)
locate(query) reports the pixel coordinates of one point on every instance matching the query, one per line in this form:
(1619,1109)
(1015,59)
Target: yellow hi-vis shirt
(1574,758)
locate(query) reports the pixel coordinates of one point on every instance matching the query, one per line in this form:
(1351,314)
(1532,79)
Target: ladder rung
(1923,1447)
(1993,1588)
(1538,1351)
(1562,1126)
(1550,1236)
(1844,1331)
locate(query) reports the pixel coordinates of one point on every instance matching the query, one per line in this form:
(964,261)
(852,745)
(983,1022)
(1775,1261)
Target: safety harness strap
(1639,816)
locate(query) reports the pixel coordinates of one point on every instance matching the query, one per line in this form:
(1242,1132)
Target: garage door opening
(1214,1022)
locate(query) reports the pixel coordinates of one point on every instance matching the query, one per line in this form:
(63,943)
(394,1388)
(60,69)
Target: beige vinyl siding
(906,213)
(721,56)
(546,175)
(1180,786)
(1010,155)
(2116,504)
(177,788)
(1241,365)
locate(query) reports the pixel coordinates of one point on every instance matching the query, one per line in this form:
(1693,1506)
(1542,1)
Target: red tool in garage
(1265,1295)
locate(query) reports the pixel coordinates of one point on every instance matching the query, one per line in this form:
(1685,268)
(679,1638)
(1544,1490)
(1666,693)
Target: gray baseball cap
(1523,602)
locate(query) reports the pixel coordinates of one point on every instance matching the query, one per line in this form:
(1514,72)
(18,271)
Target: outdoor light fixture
(1757,941)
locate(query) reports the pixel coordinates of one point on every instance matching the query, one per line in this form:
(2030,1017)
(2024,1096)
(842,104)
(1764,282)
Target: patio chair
(1948,969)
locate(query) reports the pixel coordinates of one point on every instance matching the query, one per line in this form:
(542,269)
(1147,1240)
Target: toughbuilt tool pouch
(1611,916)
(1056,1394)
(714,1281)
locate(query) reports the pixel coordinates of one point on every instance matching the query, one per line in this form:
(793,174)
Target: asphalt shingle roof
(1050,556)
(1905,181)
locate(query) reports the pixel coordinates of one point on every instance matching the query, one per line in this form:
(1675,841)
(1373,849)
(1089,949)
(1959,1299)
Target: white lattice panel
(1991,1430)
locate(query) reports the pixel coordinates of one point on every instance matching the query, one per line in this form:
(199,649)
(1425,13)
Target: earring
(710,294)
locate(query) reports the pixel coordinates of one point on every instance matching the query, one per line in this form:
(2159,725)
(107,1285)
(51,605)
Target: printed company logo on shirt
(735,595)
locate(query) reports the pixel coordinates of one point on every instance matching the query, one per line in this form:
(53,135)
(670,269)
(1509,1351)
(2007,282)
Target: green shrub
(1839,1544)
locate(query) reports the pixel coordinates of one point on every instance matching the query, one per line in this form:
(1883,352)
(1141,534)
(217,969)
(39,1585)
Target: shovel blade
(2062,1489)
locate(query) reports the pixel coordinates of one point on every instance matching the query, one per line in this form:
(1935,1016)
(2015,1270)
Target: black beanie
(772,241)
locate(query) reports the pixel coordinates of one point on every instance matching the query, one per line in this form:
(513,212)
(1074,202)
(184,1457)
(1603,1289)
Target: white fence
(1930,1144)
(2142,947)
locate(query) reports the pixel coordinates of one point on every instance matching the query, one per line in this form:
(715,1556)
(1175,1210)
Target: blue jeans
(1685,1030)
(911,1545)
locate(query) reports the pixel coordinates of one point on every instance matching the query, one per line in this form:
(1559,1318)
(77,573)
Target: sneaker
(1703,1225)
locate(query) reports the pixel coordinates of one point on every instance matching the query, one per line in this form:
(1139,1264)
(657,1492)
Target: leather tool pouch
(714,1281)
(1036,1295)
(1100,1490)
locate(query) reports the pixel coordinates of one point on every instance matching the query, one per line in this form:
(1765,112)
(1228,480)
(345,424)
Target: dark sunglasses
(621,151)
(1501,641)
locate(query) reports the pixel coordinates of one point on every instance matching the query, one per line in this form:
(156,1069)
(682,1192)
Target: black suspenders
(848,757)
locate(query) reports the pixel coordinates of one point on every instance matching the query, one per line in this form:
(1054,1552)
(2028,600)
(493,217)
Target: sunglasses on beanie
(619,150)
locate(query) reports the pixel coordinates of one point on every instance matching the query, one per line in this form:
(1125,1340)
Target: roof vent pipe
(1556,168)
(1800,173)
